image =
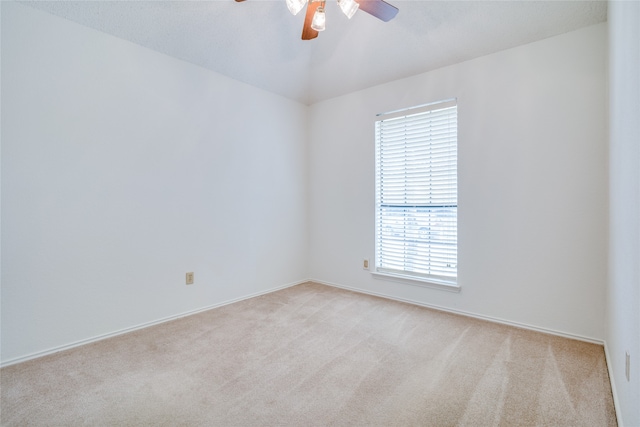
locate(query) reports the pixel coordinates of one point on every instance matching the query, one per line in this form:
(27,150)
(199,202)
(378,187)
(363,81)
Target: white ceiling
(258,41)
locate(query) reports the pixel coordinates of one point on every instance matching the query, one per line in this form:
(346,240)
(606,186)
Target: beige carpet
(315,355)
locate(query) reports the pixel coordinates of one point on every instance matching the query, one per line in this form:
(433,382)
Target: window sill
(414,281)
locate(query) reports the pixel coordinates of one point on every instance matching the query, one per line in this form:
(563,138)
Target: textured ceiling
(258,42)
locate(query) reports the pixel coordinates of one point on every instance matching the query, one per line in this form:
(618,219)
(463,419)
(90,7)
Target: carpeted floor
(315,355)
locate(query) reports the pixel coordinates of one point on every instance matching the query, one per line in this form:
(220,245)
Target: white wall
(623,309)
(122,169)
(532,183)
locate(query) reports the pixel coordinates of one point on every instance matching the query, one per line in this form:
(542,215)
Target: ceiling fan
(314,20)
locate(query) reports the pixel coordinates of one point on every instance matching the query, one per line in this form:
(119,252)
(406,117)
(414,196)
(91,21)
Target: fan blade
(239,1)
(309,33)
(379,8)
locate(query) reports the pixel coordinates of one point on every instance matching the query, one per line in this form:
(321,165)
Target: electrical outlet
(365,264)
(190,278)
(627,365)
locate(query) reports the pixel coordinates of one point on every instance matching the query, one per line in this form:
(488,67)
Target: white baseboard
(335,285)
(140,326)
(465,313)
(616,403)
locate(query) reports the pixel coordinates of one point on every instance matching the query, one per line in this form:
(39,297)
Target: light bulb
(348,7)
(296,6)
(318,19)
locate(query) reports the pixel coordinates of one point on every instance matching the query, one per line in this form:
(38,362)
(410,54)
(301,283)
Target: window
(417,193)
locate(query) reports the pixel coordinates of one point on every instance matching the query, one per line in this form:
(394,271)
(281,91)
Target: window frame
(449,283)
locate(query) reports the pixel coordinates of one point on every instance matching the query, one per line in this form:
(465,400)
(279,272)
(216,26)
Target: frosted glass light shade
(296,6)
(349,7)
(318,20)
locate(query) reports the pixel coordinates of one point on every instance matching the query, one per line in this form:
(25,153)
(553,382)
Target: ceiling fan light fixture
(349,7)
(295,6)
(319,19)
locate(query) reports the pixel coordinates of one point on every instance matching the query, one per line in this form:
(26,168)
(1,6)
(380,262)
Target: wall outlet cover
(627,365)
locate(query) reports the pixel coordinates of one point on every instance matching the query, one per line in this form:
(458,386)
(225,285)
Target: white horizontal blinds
(417,193)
